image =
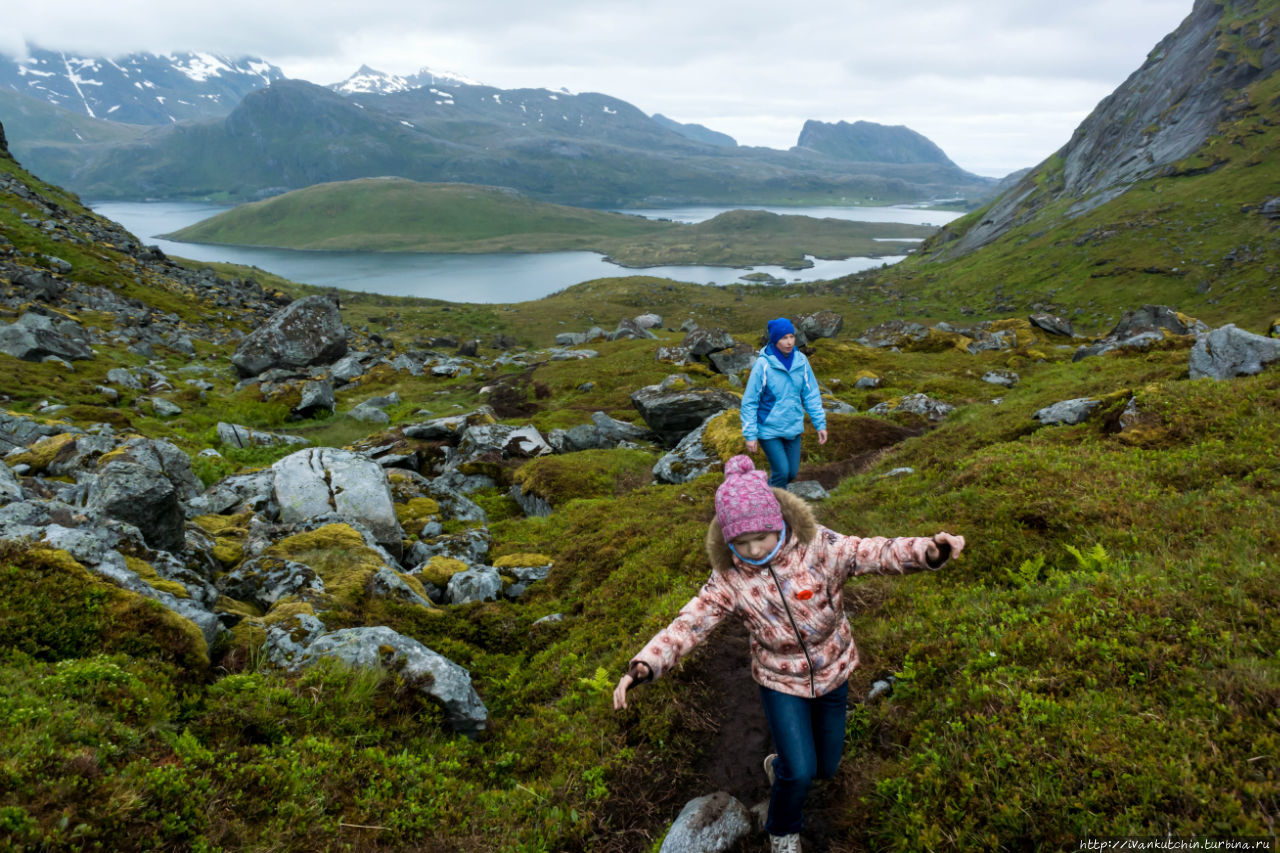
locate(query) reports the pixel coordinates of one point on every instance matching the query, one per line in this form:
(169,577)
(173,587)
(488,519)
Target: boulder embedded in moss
(44,452)
(338,554)
(438,570)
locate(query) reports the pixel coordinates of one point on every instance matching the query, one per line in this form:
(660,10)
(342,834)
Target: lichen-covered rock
(305,332)
(1003,378)
(915,404)
(240,436)
(387,583)
(736,359)
(34,337)
(143,497)
(317,396)
(478,583)
(709,824)
(1143,327)
(265,580)
(703,342)
(674,412)
(325,480)
(1228,352)
(441,679)
(1053,324)
(820,324)
(689,459)
(1067,412)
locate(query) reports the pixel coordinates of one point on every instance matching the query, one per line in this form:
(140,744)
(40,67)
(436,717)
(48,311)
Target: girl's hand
(822,436)
(956,543)
(753,446)
(620,692)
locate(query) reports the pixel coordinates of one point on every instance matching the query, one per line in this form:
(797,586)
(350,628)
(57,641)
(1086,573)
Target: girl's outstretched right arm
(703,612)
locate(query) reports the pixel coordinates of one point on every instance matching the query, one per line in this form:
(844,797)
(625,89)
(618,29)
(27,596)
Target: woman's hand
(822,436)
(620,692)
(753,446)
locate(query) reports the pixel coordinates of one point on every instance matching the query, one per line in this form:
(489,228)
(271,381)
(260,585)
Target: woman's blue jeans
(809,737)
(784,459)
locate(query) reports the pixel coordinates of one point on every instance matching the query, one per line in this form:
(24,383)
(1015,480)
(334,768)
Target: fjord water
(486,277)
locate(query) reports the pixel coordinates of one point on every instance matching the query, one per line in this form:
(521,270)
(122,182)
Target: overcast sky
(997,84)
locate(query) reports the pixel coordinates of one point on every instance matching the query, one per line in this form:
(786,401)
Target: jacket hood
(801,525)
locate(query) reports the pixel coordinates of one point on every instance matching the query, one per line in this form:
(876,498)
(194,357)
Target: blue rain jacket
(776,399)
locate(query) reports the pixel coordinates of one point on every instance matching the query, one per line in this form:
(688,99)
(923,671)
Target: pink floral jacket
(793,608)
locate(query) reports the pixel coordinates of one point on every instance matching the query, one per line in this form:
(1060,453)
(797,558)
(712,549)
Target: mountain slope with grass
(395,215)
(1101,661)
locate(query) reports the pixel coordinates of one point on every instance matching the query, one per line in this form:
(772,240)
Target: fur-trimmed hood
(801,525)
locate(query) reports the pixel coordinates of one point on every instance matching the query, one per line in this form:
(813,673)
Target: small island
(398,215)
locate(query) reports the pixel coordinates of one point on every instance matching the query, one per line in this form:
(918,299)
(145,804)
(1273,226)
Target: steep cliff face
(1189,85)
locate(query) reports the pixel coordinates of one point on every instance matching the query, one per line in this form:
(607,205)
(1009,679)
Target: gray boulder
(10,488)
(688,460)
(709,824)
(1053,324)
(450,427)
(916,404)
(141,496)
(678,355)
(478,583)
(893,333)
(324,480)
(648,321)
(317,396)
(1067,412)
(1003,378)
(305,332)
(125,378)
(810,490)
(241,436)
(1228,352)
(440,679)
(264,580)
(23,430)
(674,409)
(254,490)
(1141,328)
(628,328)
(736,359)
(530,504)
(508,442)
(346,368)
(703,342)
(820,324)
(35,337)
(387,584)
(288,639)
(470,546)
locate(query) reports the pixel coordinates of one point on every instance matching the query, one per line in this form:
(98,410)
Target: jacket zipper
(813,686)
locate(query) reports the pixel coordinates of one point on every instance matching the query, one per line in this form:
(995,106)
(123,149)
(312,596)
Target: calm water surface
(481,278)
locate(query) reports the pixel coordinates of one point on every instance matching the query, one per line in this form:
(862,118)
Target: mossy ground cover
(1102,659)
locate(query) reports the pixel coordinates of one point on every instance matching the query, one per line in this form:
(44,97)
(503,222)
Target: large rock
(437,677)
(1229,352)
(1141,328)
(1053,324)
(143,497)
(675,408)
(478,583)
(916,404)
(505,441)
(709,824)
(305,332)
(35,336)
(820,324)
(734,360)
(689,459)
(324,480)
(264,580)
(1067,412)
(703,342)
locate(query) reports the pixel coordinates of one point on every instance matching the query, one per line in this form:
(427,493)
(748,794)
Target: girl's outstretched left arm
(879,555)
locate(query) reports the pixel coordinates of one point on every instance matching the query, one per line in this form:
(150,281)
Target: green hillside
(396,215)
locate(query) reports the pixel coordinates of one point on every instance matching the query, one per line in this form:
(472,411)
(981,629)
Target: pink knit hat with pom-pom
(744,501)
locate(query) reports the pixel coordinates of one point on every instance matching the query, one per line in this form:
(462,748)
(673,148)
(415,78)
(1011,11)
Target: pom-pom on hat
(779,329)
(744,501)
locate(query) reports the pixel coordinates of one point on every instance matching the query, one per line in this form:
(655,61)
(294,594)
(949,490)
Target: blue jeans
(784,459)
(809,737)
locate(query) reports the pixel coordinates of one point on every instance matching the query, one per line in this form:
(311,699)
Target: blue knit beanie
(780,328)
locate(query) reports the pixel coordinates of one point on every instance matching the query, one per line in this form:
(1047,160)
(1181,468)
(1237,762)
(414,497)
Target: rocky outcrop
(1162,114)
(35,337)
(305,332)
(675,407)
(1228,352)
(1067,412)
(324,480)
(1142,327)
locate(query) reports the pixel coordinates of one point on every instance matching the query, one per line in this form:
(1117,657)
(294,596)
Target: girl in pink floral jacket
(783,574)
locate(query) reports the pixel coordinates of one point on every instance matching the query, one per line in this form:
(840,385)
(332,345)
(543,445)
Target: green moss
(41,454)
(148,573)
(586,474)
(517,560)
(338,555)
(438,570)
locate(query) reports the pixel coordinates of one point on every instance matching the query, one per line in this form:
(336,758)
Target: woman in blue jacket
(781,390)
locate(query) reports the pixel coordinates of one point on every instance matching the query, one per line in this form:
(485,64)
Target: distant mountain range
(141,88)
(200,126)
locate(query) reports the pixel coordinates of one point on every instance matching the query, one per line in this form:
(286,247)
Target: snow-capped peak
(368,80)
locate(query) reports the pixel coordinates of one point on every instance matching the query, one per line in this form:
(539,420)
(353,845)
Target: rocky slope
(1184,93)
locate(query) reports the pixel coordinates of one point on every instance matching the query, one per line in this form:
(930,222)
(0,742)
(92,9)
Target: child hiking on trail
(783,574)
(781,390)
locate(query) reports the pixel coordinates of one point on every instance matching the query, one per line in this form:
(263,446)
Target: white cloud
(998,85)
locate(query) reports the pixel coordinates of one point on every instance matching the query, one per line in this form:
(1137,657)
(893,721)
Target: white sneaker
(784,843)
(768,766)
